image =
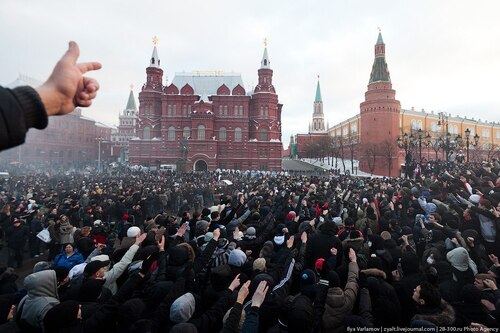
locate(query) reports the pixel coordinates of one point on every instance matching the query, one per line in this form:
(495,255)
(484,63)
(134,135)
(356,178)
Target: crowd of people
(240,252)
(141,251)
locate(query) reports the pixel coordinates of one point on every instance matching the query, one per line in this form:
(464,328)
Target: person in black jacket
(24,107)
(17,235)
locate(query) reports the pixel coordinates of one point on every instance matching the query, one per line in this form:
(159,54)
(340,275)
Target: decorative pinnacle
(266,41)
(379,30)
(131,87)
(155,40)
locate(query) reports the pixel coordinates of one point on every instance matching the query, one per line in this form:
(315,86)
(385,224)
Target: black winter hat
(63,315)
(298,314)
(409,263)
(470,294)
(90,290)
(333,279)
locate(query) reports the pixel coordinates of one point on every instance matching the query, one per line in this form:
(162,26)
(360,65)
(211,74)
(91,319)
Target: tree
(339,144)
(388,151)
(370,151)
(492,151)
(352,144)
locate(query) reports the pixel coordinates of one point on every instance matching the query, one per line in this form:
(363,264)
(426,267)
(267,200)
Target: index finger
(84,67)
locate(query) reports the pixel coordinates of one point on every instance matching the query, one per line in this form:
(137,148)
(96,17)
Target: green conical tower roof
(131,102)
(380,72)
(318,93)
(379,39)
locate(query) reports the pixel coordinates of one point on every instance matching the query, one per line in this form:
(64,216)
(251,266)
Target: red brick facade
(199,128)
(379,120)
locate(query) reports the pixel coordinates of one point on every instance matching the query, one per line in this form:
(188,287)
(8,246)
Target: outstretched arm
(66,87)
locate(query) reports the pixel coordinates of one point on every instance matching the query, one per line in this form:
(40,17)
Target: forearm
(20,109)
(251,324)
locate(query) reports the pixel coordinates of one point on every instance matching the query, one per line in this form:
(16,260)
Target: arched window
(434,127)
(413,124)
(235,109)
(263,134)
(241,110)
(222,134)
(345,131)
(169,109)
(419,124)
(146,133)
(225,110)
(354,128)
(237,134)
(171,133)
(186,132)
(201,132)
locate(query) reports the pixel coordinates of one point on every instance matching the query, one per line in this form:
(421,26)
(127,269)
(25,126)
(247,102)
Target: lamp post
(406,142)
(467,136)
(428,143)
(99,140)
(420,135)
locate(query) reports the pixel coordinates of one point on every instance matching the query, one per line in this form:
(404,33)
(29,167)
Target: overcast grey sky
(443,55)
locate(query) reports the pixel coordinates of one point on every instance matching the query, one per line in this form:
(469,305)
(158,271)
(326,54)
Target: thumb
(72,53)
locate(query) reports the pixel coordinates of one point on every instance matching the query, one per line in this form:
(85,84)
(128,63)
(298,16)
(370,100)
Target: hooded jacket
(339,303)
(42,296)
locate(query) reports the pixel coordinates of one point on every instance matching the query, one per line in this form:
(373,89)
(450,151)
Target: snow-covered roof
(207,84)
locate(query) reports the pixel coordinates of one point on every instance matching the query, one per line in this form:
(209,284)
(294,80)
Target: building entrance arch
(200,165)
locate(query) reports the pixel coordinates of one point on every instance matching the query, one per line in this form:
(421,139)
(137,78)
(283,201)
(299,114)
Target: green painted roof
(379,39)
(131,102)
(318,94)
(380,72)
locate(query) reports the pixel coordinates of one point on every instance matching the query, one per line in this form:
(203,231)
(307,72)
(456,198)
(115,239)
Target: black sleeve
(20,109)
(233,321)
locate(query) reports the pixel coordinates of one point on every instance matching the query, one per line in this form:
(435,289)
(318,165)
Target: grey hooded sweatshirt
(42,296)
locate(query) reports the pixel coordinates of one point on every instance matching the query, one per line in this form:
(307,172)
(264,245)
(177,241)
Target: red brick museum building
(206,120)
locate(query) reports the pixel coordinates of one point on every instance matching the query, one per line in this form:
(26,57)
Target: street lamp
(406,142)
(467,136)
(420,134)
(99,140)
(428,139)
